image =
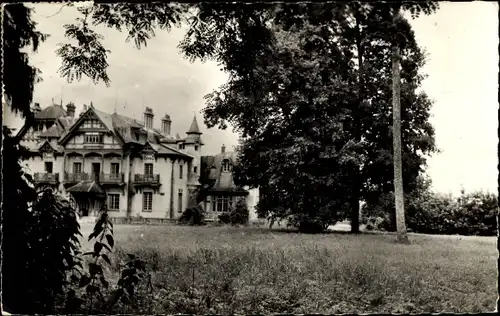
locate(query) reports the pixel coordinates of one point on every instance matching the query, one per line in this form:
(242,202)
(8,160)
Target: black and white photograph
(249,157)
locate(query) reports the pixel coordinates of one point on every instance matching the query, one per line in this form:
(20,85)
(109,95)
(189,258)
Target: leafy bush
(470,214)
(237,215)
(193,216)
(375,223)
(307,224)
(89,291)
(39,238)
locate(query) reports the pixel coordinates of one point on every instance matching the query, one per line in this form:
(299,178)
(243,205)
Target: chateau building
(135,169)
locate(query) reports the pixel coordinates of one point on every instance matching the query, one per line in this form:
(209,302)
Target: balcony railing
(44,177)
(76,177)
(147,179)
(111,178)
(98,177)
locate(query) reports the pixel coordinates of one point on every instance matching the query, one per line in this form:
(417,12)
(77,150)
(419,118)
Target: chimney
(37,108)
(223,149)
(165,125)
(148,118)
(70,109)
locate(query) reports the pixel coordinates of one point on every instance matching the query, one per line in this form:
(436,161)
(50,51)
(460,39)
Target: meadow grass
(257,270)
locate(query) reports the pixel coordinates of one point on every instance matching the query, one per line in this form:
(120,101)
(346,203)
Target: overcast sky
(461,40)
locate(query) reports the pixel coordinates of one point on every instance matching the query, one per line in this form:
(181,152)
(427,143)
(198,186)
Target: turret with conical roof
(193,134)
(192,144)
(194,129)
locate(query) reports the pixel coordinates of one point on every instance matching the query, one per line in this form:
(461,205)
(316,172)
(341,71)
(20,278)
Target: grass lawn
(257,270)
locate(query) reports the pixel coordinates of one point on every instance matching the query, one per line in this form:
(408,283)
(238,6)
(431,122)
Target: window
(195,169)
(93,123)
(114,201)
(77,167)
(93,138)
(223,203)
(196,147)
(48,166)
(115,168)
(226,165)
(179,202)
(148,168)
(181,171)
(147,201)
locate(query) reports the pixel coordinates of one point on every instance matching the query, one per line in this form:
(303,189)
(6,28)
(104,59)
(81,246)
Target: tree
(237,36)
(396,84)
(396,135)
(19,32)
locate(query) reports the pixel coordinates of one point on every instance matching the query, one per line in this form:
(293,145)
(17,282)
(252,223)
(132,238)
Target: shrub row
(469,214)
(236,215)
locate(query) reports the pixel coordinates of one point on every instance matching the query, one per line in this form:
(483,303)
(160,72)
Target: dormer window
(226,165)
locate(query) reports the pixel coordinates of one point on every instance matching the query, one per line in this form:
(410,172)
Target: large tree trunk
(396,135)
(356,177)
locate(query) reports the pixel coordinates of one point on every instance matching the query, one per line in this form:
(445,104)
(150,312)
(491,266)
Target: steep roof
(51,112)
(216,180)
(194,129)
(130,130)
(66,121)
(54,131)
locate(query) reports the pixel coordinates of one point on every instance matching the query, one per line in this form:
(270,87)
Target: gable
(46,147)
(148,149)
(89,122)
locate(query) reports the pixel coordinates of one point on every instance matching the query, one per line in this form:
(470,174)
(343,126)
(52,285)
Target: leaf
(110,240)
(97,248)
(131,256)
(95,269)
(84,280)
(104,282)
(106,258)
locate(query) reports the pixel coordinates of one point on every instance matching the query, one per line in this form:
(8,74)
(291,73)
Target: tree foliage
(237,214)
(300,73)
(40,242)
(19,77)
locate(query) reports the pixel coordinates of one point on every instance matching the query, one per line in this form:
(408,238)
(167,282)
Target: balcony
(76,177)
(152,179)
(111,178)
(44,177)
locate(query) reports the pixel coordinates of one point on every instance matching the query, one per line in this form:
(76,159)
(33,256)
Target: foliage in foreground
(193,216)
(42,266)
(237,215)
(473,213)
(90,290)
(39,237)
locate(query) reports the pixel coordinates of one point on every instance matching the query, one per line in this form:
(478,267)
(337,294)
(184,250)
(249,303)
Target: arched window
(226,165)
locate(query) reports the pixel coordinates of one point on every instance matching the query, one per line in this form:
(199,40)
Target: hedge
(470,214)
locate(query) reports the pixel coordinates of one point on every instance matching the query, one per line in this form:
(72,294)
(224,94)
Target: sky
(461,40)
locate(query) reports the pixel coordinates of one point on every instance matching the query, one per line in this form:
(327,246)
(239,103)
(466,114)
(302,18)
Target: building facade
(219,192)
(98,158)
